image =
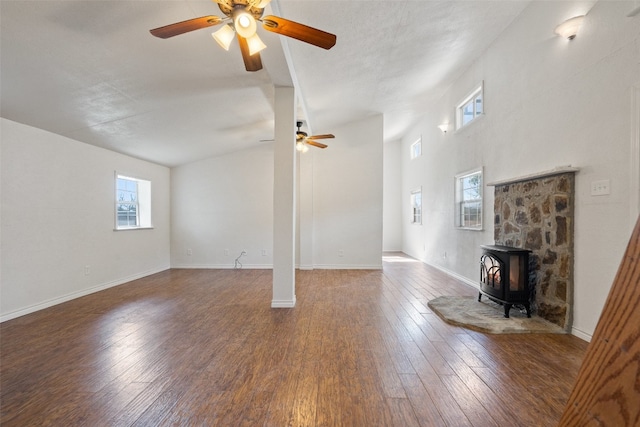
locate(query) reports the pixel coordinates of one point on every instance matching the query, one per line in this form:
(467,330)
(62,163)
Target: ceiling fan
(242,16)
(303,141)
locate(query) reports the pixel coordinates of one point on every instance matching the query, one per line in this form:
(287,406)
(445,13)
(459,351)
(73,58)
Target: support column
(284,201)
(305,209)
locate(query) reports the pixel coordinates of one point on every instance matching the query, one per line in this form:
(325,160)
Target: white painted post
(284,201)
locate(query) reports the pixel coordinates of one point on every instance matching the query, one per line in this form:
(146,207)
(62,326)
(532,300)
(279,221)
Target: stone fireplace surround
(536,212)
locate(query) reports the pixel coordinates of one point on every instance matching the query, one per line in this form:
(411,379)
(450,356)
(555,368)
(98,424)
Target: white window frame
(470,100)
(142,202)
(416,211)
(416,149)
(461,200)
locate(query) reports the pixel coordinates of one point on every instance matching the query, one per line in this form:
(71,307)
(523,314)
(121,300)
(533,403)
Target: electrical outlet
(189,252)
(87,270)
(264,252)
(600,188)
(340,252)
(226,252)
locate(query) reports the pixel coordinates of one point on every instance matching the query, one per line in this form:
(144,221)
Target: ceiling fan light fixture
(255,44)
(224,36)
(301,146)
(244,22)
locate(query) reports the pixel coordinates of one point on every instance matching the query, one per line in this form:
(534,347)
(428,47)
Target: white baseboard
(224,266)
(461,278)
(283,303)
(581,334)
(270,267)
(68,297)
(347,267)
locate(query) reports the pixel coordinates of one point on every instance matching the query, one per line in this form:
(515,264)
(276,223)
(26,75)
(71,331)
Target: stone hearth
(537,213)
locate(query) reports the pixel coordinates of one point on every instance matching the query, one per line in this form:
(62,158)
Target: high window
(470,108)
(132,203)
(416,149)
(416,206)
(469,200)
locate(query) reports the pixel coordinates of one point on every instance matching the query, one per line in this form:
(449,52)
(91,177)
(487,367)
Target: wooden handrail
(607,390)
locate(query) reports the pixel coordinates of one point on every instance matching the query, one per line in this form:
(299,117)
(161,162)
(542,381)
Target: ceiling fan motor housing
(229,8)
(300,134)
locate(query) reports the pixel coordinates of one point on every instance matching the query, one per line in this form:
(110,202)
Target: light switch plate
(600,188)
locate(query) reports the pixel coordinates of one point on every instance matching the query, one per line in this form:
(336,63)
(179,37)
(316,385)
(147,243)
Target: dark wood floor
(204,348)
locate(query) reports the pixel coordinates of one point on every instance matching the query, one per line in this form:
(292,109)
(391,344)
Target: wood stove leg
(527,306)
(479,296)
(507,307)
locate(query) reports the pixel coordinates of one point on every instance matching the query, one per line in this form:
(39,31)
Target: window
(471,108)
(416,206)
(416,149)
(133,203)
(469,200)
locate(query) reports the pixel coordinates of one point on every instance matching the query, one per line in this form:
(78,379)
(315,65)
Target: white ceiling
(90,70)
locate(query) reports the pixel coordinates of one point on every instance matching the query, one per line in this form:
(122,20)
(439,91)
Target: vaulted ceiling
(90,70)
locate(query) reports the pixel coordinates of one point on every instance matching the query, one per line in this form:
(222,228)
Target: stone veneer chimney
(537,213)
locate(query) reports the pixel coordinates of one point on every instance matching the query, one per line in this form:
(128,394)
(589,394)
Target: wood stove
(504,276)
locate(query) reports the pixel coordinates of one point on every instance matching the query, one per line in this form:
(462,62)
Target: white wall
(227,203)
(347,197)
(223,203)
(548,102)
(58,218)
(392,197)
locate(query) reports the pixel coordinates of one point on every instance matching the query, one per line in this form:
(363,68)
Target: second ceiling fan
(243,16)
(303,141)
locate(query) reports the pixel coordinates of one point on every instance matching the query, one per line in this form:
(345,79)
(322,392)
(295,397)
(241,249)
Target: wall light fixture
(569,28)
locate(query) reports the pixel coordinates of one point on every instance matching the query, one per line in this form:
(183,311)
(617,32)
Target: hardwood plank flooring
(204,348)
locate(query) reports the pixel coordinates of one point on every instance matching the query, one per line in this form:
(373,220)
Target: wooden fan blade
(185,26)
(299,31)
(324,136)
(251,62)
(316,144)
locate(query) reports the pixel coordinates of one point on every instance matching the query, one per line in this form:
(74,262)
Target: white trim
(478,90)
(68,297)
(456,200)
(270,266)
(144,215)
(222,266)
(455,275)
(134,228)
(411,201)
(283,303)
(348,267)
(416,143)
(557,171)
(634,201)
(581,334)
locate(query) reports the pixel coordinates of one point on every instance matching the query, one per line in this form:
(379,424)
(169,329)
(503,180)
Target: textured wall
(538,214)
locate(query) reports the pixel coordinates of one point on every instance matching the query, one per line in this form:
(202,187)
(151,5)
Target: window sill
(134,228)
(470,228)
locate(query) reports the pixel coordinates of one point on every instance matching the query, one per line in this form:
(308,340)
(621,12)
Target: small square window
(471,108)
(132,203)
